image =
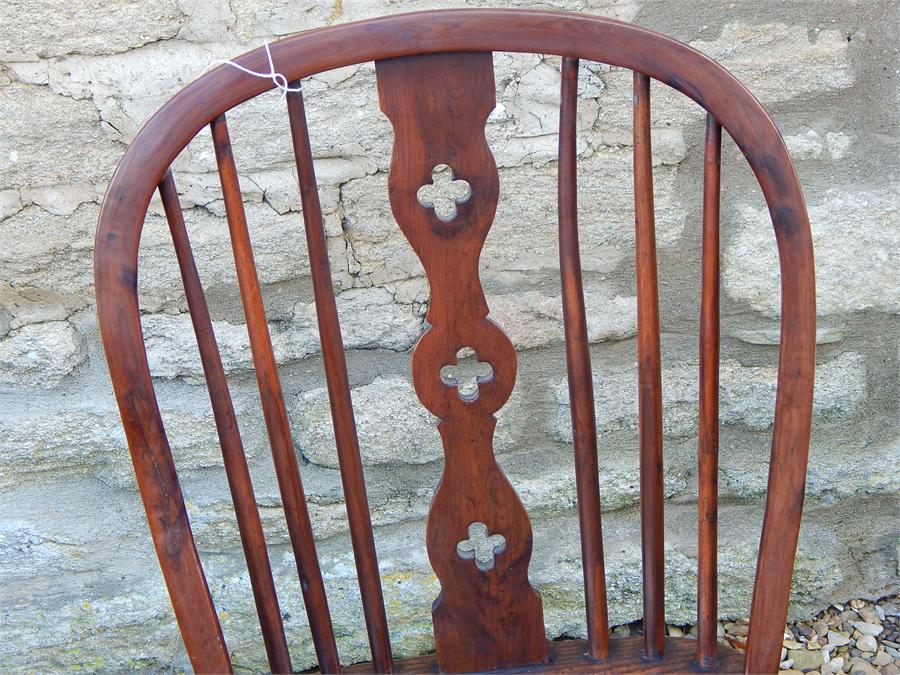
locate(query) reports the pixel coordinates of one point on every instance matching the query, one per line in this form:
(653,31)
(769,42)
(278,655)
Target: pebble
(805,660)
(867,643)
(838,639)
(849,615)
(862,668)
(890,669)
(675,631)
(868,628)
(868,615)
(790,671)
(821,628)
(882,659)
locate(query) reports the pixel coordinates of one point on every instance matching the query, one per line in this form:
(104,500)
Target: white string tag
(279,80)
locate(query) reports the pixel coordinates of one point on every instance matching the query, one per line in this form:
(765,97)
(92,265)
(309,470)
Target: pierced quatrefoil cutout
(467,374)
(444,193)
(480,547)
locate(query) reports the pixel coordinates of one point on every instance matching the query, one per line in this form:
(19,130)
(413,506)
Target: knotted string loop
(278,79)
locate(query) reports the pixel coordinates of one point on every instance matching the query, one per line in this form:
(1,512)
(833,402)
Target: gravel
(859,637)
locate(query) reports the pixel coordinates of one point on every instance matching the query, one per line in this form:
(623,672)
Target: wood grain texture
(338,383)
(573,656)
(249,524)
(578,368)
(708,431)
(653,55)
(649,378)
(274,411)
(438,106)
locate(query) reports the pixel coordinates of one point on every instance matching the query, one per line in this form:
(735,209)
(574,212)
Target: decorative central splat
(443,193)
(481,547)
(488,616)
(467,374)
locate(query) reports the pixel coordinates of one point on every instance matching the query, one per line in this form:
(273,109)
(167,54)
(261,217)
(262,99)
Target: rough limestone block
(780,62)
(370,319)
(856,236)
(532,319)
(172,346)
(522,232)
(34,30)
(36,129)
(43,445)
(747,396)
(48,253)
(125,88)
(39,355)
(524,236)
(279,249)
(837,469)
(394,428)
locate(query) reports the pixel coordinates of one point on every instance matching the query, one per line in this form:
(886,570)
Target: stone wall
(80,582)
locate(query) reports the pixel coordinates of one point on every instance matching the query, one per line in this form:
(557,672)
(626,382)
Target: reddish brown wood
(708,434)
(438,105)
(168,132)
(235,461)
(578,365)
(273,406)
(573,656)
(649,378)
(346,440)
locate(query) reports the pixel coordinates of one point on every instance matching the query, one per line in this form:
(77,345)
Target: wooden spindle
(338,383)
(708,434)
(649,378)
(235,461)
(578,365)
(274,411)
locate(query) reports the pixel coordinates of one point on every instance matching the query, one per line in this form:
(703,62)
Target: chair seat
(570,656)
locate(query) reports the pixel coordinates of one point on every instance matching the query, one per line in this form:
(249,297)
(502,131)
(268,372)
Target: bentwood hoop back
(436,85)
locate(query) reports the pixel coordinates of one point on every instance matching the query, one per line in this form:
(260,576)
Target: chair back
(436,85)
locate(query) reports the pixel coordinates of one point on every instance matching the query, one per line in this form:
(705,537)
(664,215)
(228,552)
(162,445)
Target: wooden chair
(436,85)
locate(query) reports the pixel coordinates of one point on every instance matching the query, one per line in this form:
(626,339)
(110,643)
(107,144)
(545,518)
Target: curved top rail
(680,66)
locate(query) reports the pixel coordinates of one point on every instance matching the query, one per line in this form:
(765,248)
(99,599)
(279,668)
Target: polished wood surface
(708,428)
(346,438)
(626,656)
(210,650)
(649,378)
(485,617)
(580,375)
(273,407)
(453,47)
